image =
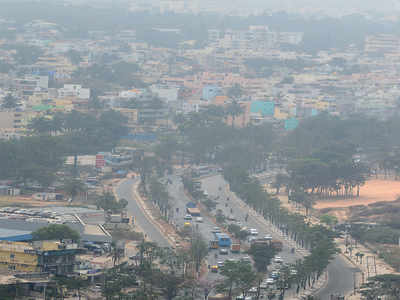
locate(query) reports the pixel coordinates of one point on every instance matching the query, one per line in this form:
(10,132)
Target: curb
(139,200)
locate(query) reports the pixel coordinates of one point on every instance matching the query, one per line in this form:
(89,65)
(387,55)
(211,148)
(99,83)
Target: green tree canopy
(55,232)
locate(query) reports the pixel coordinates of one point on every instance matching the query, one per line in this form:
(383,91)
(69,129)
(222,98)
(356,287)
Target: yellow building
(45,256)
(21,257)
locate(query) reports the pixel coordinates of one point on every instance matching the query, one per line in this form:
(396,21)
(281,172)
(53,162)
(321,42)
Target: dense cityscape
(183,149)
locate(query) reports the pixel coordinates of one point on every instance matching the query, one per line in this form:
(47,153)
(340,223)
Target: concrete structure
(46,256)
(74,90)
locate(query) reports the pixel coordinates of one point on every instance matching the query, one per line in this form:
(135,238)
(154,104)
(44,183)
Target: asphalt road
(339,271)
(341,279)
(216,188)
(125,190)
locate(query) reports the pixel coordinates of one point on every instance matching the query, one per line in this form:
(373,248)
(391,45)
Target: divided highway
(340,271)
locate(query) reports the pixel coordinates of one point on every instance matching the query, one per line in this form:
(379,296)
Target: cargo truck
(235,247)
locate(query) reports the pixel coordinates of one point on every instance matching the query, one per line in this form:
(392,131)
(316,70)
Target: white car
(253,231)
(293,272)
(267,237)
(199,220)
(270,281)
(188,217)
(278,259)
(216,230)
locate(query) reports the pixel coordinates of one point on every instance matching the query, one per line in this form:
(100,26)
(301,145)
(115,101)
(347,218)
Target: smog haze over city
(200,149)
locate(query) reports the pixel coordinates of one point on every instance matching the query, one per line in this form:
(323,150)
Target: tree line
(38,157)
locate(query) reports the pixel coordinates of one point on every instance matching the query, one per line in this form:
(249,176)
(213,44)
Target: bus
(223,240)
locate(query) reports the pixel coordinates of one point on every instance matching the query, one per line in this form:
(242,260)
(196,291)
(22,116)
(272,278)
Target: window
(12,256)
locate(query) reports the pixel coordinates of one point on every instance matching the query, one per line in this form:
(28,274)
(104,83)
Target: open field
(377,190)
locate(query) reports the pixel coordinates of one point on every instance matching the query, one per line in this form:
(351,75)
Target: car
(223,251)
(188,217)
(270,280)
(246,258)
(253,289)
(267,237)
(216,230)
(263,286)
(278,259)
(231,218)
(251,239)
(293,272)
(253,231)
(274,275)
(199,219)
(220,264)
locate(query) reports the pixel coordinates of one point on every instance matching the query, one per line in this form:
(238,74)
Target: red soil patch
(373,191)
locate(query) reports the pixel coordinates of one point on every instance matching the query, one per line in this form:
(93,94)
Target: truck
(193,211)
(223,240)
(235,247)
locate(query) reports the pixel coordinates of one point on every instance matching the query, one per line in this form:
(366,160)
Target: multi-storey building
(38,257)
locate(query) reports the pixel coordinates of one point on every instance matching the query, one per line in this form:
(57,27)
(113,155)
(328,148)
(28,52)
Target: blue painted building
(291,124)
(210,92)
(265,108)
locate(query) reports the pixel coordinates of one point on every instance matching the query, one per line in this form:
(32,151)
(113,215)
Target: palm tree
(234,109)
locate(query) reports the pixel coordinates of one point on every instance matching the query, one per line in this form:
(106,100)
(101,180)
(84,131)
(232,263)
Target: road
(217,187)
(340,271)
(125,190)
(341,279)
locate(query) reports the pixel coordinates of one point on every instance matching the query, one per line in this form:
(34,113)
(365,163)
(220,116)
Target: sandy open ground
(376,190)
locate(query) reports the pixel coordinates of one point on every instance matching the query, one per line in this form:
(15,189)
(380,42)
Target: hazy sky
(326,5)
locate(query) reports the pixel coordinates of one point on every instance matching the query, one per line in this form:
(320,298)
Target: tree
(74,56)
(235,92)
(55,232)
(73,187)
(329,220)
(72,283)
(262,254)
(9,102)
(234,109)
(238,275)
(198,249)
(386,286)
(280,180)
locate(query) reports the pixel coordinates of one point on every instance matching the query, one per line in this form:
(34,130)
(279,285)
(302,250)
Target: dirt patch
(373,191)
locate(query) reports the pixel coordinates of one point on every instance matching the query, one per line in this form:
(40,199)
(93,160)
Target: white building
(74,90)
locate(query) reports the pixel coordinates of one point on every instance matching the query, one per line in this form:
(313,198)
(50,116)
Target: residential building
(44,256)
